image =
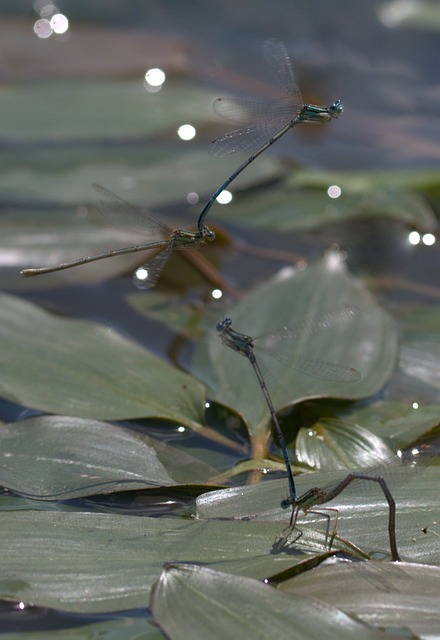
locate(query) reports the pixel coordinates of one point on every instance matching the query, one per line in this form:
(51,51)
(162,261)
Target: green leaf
(58,457)
(419,359)
(80,368)
(195,602)
(331,444)
(365,182)
(305,204)
(400,424)
(385,595)
(58,109)
(367,342)
(31,177)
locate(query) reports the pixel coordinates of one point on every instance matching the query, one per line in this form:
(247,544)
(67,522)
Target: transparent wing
(278,61)
(253,112)
(324,370)
(153,269)
(320,369)
(130,218)
(316,368)
(248,139)
(327,320)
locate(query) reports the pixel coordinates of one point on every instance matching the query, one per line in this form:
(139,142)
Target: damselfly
(395,470)
(130,218)
(265,123)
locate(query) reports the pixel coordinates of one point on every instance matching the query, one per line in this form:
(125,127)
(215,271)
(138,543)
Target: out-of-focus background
(80,105)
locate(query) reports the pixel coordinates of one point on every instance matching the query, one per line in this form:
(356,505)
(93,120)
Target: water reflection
(428,239)
(51,21)
(192,197)
(224,197)
(186,132)
(154,79)
(334,191)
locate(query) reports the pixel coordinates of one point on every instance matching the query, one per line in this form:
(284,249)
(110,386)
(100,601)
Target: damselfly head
(207,234)
(286,503)
(224,324)
(336,109)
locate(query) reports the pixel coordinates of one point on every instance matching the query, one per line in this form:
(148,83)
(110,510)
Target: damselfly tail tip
(27,273)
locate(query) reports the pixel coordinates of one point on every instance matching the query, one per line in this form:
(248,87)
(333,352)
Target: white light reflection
(181,429)
(59,23)
(428,239)
(334,191)
(415,405)
(42,28)
(192,198)
(186,132)
(335,257)
(141,274)
(414,237)
(155,78)
(224,197)
(207,405)
(216,294)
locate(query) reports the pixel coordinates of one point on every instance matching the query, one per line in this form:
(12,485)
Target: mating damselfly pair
(266,123)
(387,475)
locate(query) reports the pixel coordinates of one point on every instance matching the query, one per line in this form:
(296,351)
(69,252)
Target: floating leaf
(135,111)
(330,444)
(196,602)
(400,424)
(58,457)
(385,595)
(363,510)
(80,368)
(32,179)
(367,342)
(299,207)
(98,562)
(420,359)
